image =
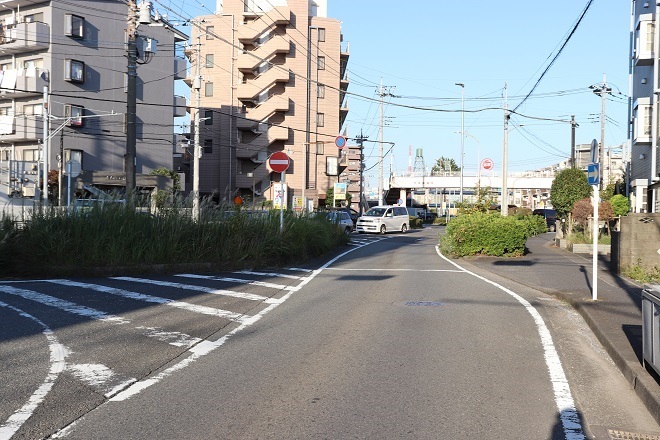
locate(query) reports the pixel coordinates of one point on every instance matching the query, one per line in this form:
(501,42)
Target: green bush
(57,241)
(486,234)
(416,222)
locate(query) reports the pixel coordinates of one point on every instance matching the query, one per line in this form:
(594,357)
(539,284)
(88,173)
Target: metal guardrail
(651,326)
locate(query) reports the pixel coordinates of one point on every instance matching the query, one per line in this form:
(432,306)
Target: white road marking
(100,377)
(67,306)
(568,413)
(270,274)
(205,310)
(206,347)
(236,280)
(177,339)
(342,269)
(57,363)
(299,269)
(231,293)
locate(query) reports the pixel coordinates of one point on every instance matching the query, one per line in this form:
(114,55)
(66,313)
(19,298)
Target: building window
(209,32)
(6,66)
(320,91)
(75,112)
(320,119)
(33,109)
(74,71)
(74,26)
(35,63)
(76,155)
(321,63)
(208,117)
(321,34)
(643,116)
(31,18)
(208,89)
(208,146)
(320,148)
(31,155)
(6,111)
(209,61)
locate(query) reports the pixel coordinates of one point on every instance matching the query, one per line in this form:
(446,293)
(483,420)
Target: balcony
(249,60)
(253,87)
(180,68)
(260,143)
(180,105)
(249,32)
(24,37)
(259,173)
(253,116)
(22,82)
(21,128)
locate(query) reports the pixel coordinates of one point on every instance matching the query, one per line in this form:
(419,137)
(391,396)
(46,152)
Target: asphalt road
(390,340)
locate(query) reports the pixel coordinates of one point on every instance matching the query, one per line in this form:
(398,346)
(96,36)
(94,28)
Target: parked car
(382,219)
(550,216)
(342,219)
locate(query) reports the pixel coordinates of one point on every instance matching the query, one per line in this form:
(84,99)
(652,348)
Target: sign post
(278,162)
(72,169)
(593,176)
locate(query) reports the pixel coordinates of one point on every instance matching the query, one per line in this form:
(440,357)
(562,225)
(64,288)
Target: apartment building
(78,51)
(272,77)
(645,81)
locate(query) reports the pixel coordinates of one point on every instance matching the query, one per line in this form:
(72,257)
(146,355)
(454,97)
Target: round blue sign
(340,141)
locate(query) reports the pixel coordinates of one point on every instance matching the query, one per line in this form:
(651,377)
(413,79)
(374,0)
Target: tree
(445,164)
(569,186)
(582,210)
(620,204)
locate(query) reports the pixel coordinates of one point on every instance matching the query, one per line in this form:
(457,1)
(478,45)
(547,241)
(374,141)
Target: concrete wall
(638,241)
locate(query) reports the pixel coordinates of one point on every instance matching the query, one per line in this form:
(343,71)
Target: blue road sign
(593,173)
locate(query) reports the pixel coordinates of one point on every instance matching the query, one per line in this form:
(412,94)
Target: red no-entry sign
(278,162)
(487,164)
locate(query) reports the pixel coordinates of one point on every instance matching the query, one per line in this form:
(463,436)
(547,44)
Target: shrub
(485,234)
(582,210)
(620,205)
(415,222)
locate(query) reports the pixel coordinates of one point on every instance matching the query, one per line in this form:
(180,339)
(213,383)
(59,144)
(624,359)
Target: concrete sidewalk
(615,318)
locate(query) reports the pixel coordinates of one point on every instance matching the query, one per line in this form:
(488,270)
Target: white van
(382,219)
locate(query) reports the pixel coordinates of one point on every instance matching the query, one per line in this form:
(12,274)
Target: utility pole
(505,157)
(131,133)
(573,125)
(380,146)
(381,92)
(360,140)
(60,197)
(197,85)
(46,152)
(603,90)
(462,86)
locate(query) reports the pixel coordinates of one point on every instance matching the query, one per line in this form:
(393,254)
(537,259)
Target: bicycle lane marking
(57,363)
(568,413)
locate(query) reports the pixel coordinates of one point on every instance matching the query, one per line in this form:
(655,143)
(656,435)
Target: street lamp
(462,86)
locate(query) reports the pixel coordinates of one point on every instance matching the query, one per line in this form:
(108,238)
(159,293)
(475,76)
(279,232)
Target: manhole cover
(623,435)
(424,303)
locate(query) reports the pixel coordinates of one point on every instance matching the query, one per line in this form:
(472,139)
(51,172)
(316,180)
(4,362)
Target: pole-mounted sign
(278,162)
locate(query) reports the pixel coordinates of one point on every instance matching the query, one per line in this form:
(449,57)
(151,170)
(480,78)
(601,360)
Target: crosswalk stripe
(62,304)
(236,280)
(271,274)
(205,310)
(241,295)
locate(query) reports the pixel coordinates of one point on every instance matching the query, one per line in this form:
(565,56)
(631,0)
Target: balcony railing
(21,128)
(24,37)
(17,83)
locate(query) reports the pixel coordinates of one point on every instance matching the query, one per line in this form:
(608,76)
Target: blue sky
(421,49)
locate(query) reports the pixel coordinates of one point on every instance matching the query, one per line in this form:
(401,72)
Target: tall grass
(115,236)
